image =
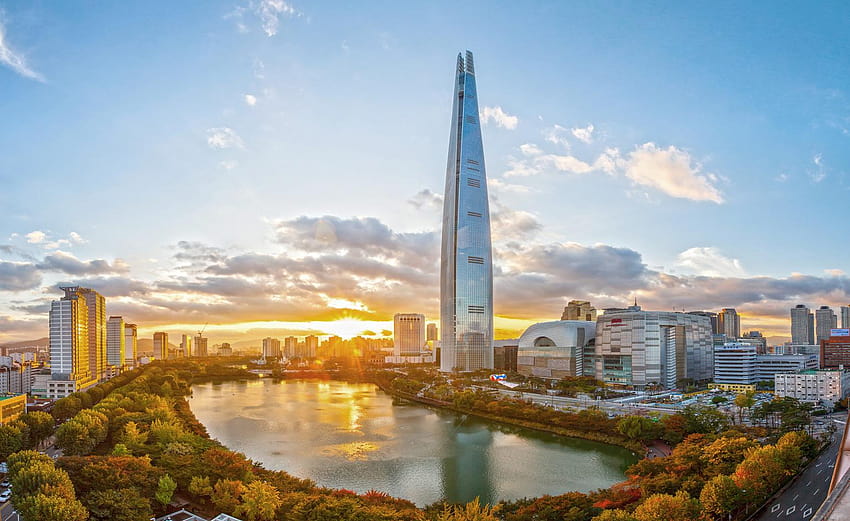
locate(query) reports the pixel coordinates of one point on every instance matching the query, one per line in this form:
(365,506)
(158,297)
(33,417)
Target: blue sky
(202,154)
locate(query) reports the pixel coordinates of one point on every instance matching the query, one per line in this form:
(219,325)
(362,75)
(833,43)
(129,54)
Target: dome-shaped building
(555,349)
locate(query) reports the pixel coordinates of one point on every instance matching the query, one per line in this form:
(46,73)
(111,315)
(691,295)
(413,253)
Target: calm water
(351,436)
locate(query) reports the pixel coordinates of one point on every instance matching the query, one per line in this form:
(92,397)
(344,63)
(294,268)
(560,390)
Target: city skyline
(610,173)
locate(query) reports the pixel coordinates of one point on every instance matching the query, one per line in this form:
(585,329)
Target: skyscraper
(408,334)
(115,341)
(466,263)
(802,325)
(131,344)
(70,370)
(201,346)
(845,317)
(729,323)
(271,347)
(186,346)
(431,332)
(160,346)
(97,331)
(826,320)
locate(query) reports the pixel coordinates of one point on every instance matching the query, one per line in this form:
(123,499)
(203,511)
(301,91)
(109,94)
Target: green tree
(42,478)
(40,424)
(165,489)
(66,408)
(638,428)
(260,501)
(704,419)
(73,438)
(11,440)
(614,515)
(226,494)
(744,401)
(200,486)
(120,450)
(51,508)
(472,511)
(134,438)
(25,459)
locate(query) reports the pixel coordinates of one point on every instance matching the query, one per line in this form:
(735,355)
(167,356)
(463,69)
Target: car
(5,483)
(5,495)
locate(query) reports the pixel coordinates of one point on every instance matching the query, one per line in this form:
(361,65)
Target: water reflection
(353,436)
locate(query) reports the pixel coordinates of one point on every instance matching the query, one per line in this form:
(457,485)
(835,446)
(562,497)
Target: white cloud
(709,262)
(250,99)
(818,175)
(259,69)
(497,185)
(781,178)
(530,149)
(584,135)
(835,272)
(499,116)
(36,237)
(228,165)
(671,171)
(818,159)
(270,12)
(76,238)
(556,135)
(13,60)
(223,137)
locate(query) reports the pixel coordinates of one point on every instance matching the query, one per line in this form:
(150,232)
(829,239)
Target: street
(803,498)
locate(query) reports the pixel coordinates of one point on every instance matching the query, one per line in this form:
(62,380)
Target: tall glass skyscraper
(466,271)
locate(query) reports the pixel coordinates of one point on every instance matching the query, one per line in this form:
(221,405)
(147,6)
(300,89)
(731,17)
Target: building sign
(839,332)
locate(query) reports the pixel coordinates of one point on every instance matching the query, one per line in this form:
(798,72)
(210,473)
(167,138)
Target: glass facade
(466,268)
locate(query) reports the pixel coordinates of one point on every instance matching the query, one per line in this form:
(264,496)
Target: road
(560,402)
(803,498)
(7,511)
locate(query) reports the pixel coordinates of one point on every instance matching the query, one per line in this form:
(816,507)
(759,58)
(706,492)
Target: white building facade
(735,363)
(827,385)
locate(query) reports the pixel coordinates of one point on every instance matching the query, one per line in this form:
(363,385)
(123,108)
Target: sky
(273,167)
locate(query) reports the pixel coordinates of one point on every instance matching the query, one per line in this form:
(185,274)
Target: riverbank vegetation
(136,448)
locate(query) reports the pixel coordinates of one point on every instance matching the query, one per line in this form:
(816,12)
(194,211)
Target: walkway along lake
(352,436)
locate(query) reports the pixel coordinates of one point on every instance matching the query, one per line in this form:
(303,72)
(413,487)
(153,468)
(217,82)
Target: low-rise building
(735,363)
(817,386)
(554,349)
(11,407)
(770,365)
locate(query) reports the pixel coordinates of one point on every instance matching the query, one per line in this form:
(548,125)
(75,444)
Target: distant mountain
(43,342)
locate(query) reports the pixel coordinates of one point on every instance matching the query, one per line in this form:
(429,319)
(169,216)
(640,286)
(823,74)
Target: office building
(845,317)
(505,355)
(186,345)
(835,350)
(201,346)
(225,349)
(115,341)
(96,304)
(825,322)
(70,370)
(802,325)
(735,363)
(131,345)
(729,323)
(160,346)
(816,386)
(408,334)
(554,349)
(579,310)
(431,334)
(466,267)
(756,339)
(652,349)
(712,317)
(271,348)
(769,365)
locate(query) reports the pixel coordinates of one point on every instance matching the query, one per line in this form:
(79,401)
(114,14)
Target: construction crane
(201,332)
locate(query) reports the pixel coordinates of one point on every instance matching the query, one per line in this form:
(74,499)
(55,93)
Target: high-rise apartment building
(729,323)
(466,266)
(201,346)
(160,345)
(115,341)
(70,370)
(408,334)
(131,344)
(290,347)
(845,317)
(652,349)
(802,325)
(579,310)
(96,304)
(825,322)
(271,347)
(311,346)
(186,346)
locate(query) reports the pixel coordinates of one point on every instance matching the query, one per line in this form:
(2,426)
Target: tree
(124,504)
(260,501)
(25,459)
(133,438)
(664,507)
(704,419)
(73,438)
(67,407)
(42,478)
(11,440)
(638,428)
(226,494)
(165,489)
(719,497)
(744,401)
(472,511)
(40,424)
(120,450)
(51,508)
(614,515)
(200,486)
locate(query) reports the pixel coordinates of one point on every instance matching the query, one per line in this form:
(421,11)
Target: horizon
(260,170)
